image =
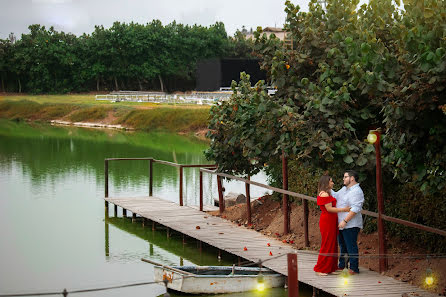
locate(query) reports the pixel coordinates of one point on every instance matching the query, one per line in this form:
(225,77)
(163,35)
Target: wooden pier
(251,245)
(233,239)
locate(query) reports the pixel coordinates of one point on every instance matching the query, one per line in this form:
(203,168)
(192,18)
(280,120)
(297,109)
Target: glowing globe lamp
(260,283)
(429,279)
(345,276)
(371,138)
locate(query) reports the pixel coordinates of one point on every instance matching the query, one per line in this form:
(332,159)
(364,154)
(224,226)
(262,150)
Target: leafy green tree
(350,70)
(240,46)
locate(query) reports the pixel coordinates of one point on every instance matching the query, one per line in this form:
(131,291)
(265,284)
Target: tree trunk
(97,83)
(140,85)
(20,85)
(3,85)
(116,84)
(161,83)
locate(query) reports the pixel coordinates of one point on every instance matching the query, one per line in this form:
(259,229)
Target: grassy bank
(84,108)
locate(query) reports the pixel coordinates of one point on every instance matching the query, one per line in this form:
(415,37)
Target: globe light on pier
(429,278)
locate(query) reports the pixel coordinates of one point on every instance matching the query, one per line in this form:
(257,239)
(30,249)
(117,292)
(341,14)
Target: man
(349,223)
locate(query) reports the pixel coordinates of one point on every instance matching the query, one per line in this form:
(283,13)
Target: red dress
(328,224)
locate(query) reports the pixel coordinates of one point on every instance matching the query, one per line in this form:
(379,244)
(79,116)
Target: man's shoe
(351,272)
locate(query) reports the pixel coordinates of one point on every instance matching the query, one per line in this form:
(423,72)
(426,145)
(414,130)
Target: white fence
(156,97)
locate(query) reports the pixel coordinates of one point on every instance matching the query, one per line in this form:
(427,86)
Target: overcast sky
(80,16)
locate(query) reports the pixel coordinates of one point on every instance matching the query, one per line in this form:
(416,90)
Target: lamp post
(374,137)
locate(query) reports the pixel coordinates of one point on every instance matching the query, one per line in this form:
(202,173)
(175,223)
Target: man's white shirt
(353,197)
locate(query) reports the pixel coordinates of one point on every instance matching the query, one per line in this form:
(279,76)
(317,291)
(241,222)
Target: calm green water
(53,229)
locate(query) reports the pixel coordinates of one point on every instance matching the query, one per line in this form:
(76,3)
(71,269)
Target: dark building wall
(208,75)
(216,73)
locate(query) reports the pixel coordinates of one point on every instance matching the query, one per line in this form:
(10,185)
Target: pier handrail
(151,161)
(309,198)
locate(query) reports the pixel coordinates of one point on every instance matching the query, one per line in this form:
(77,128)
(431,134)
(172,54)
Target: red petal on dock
(268,244)
(245,248)
(291,241)
(270,253)
(198,227)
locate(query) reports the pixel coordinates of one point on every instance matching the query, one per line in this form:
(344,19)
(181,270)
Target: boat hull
(224,282)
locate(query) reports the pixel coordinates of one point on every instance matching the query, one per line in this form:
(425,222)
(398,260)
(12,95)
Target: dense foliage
(350,69)
(124,56)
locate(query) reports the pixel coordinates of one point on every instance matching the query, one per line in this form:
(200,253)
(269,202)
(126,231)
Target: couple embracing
(340,222)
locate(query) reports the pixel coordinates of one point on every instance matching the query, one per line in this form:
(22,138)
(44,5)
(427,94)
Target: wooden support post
(221,202)
(219,255)
(153,226)
(144,222)
(285,206)
(181,185)
(184,239)
(115,208)
(106,205)
(248,201)
(379,194)
(293,281)
(124,213)
(201,191)
(133,217)
(305,210)
(168,232)
(106,178)
(151,177)
(151,249)
(239,262)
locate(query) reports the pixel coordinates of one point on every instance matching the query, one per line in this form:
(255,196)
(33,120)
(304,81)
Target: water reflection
(53,230)
(50,155)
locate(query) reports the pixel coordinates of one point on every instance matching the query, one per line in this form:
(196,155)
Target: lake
(54,232)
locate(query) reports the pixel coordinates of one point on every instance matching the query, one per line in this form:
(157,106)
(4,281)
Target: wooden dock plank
(229,237)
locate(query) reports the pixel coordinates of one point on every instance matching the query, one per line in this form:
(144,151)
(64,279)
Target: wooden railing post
(181,185)
(106,177)
(248,201)
(221,202)
(285,206)
(201,191)
(379,194)
(151,177)
(293,281)
(305,210)
(106,184)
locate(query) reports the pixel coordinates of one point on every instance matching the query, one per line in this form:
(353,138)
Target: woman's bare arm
(334,209)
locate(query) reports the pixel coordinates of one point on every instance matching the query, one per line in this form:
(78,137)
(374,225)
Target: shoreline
(90,125)
(182,120)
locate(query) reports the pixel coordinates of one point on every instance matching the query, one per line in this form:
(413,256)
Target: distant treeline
(124,56)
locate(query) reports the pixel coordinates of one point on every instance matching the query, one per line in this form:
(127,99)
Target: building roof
(272,29)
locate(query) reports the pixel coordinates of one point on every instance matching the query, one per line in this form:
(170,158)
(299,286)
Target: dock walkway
(231,238)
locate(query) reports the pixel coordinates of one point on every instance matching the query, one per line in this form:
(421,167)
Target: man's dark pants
(347,240)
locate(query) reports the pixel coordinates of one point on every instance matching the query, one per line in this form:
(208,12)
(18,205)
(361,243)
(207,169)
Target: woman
(328,224)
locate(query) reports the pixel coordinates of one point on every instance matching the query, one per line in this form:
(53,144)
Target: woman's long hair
(324,184)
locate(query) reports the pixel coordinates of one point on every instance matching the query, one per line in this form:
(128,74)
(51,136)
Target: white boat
(217,279)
